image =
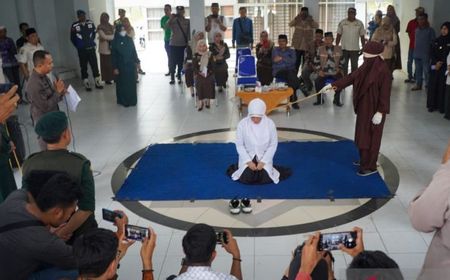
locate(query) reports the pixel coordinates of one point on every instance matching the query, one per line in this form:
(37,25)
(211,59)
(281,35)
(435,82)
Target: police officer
(53,129)
(82,35)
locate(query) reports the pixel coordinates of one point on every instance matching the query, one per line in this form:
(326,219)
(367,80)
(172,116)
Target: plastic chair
(246,74)
(239,53)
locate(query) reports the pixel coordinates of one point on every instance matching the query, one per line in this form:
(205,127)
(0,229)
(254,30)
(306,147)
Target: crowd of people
(48,228)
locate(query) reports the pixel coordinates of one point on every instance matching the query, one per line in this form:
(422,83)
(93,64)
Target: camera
(110,216)
(221,237)
(331,241)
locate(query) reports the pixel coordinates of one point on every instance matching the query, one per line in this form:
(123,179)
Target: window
(331,12)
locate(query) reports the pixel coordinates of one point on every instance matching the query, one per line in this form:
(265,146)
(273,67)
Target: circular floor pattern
(270,217)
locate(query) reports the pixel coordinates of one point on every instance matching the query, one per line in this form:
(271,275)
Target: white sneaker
(98,83)
(234,206)
(246,205)
(87,85)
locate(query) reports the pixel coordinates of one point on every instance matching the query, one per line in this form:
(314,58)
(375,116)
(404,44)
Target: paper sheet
(72,98)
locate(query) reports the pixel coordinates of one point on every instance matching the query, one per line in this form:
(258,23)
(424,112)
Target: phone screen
(221,237)
(331,241)
(110,216)
(136,232)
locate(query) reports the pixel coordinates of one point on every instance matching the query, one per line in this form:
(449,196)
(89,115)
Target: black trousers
(88,56)
(176,59)
(320,83)
(12,73)
(353,56)
(300,59)
(290,76)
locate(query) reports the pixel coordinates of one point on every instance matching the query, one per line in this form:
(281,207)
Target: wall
(8,18)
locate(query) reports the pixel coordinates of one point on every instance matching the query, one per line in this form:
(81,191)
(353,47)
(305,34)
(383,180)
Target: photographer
(179,39)
(365,264)
(215,23)
(199,245)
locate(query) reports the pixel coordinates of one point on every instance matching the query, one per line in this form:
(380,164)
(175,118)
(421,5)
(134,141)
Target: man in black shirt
(23,39)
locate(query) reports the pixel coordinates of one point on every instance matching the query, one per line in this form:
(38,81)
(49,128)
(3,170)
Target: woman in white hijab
(203,63)
(256,144)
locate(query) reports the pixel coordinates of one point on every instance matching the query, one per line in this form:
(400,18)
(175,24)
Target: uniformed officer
(27,50)
(82,35)
(53,129)
(44,96)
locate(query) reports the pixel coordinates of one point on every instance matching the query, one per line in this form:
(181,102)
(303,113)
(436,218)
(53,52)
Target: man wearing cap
(122,14)
(350,32)
(372,83)
(179,39)
(215,23)
(27,51)
(328,64)
(8,53)
(411,30)
(304,26)
(283,66)
(53,130)
(43,95)
(82,35)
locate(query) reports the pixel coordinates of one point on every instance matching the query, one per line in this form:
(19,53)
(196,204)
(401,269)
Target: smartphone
(331,241)
(221,237)
(136,233)
(110,216)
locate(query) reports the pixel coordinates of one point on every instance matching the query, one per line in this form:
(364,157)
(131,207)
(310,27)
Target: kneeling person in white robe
(256,144)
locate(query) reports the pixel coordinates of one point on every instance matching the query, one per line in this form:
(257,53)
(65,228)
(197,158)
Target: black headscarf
(441,45)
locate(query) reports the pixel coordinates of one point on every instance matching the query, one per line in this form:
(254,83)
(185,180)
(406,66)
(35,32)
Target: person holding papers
(256,144)
(44,95)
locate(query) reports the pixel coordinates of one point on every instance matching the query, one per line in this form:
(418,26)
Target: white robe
(260,140)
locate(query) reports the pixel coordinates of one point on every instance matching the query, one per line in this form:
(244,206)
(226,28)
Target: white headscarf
(205,57)
(259,133)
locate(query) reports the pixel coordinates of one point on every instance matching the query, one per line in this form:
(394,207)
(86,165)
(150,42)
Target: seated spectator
(199,245)
(26,244)
(203,63)
(188,55)
(264,59)
(329,64)
(99,251)
(53,128)
(429,212)
(220,52)
(283,66)
(365,264)
(308,74)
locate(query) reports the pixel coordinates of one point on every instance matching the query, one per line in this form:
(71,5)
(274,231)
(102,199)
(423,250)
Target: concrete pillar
(197,17)
(25,12)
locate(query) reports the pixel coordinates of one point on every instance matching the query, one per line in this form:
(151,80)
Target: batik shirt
(8,53)
(203,273)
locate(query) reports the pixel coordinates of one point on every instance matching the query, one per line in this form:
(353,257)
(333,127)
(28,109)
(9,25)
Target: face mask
(123,33)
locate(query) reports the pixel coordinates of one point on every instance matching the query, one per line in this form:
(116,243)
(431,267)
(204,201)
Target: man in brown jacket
(372,83)
(304,33)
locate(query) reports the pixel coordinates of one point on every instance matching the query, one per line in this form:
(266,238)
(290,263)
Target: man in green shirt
(167,32)
(53,129)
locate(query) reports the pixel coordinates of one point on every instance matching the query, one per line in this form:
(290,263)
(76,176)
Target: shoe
(416,87)
(356,163)
(431,110)
(87,85)
(337,103)
(220,89)
(172,82)
(234,206)
(200,108)
(364,173)
(179,81)
(98,83)
(207,106)
(167,74)
(319,103)
(246,205)
(108,82)
(447,117)
(409,81)
(295,106)
(141,72)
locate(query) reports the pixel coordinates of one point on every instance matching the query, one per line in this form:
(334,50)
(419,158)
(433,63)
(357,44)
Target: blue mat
(197,171)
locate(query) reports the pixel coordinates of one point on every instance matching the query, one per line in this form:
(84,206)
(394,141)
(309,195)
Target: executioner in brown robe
(372,83)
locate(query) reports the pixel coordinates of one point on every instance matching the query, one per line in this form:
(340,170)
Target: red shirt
(411,30)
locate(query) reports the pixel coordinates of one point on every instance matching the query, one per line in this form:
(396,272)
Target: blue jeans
(411,74)
(167,48)
(422,70)
(54,273)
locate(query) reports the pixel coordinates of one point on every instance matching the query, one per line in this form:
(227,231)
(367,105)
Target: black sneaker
(246,205)
(172,82)
(234,206)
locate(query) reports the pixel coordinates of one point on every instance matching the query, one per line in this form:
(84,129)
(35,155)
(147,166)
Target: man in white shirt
(26,52)
(215,23)
(350,32)
(199,245)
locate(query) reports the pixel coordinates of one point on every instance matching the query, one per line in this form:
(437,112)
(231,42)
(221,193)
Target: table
(273,98)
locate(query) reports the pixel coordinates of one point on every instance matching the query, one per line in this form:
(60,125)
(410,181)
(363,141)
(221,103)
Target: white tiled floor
(106,133)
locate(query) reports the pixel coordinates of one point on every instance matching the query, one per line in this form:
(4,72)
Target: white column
(25,12)
(197,17)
